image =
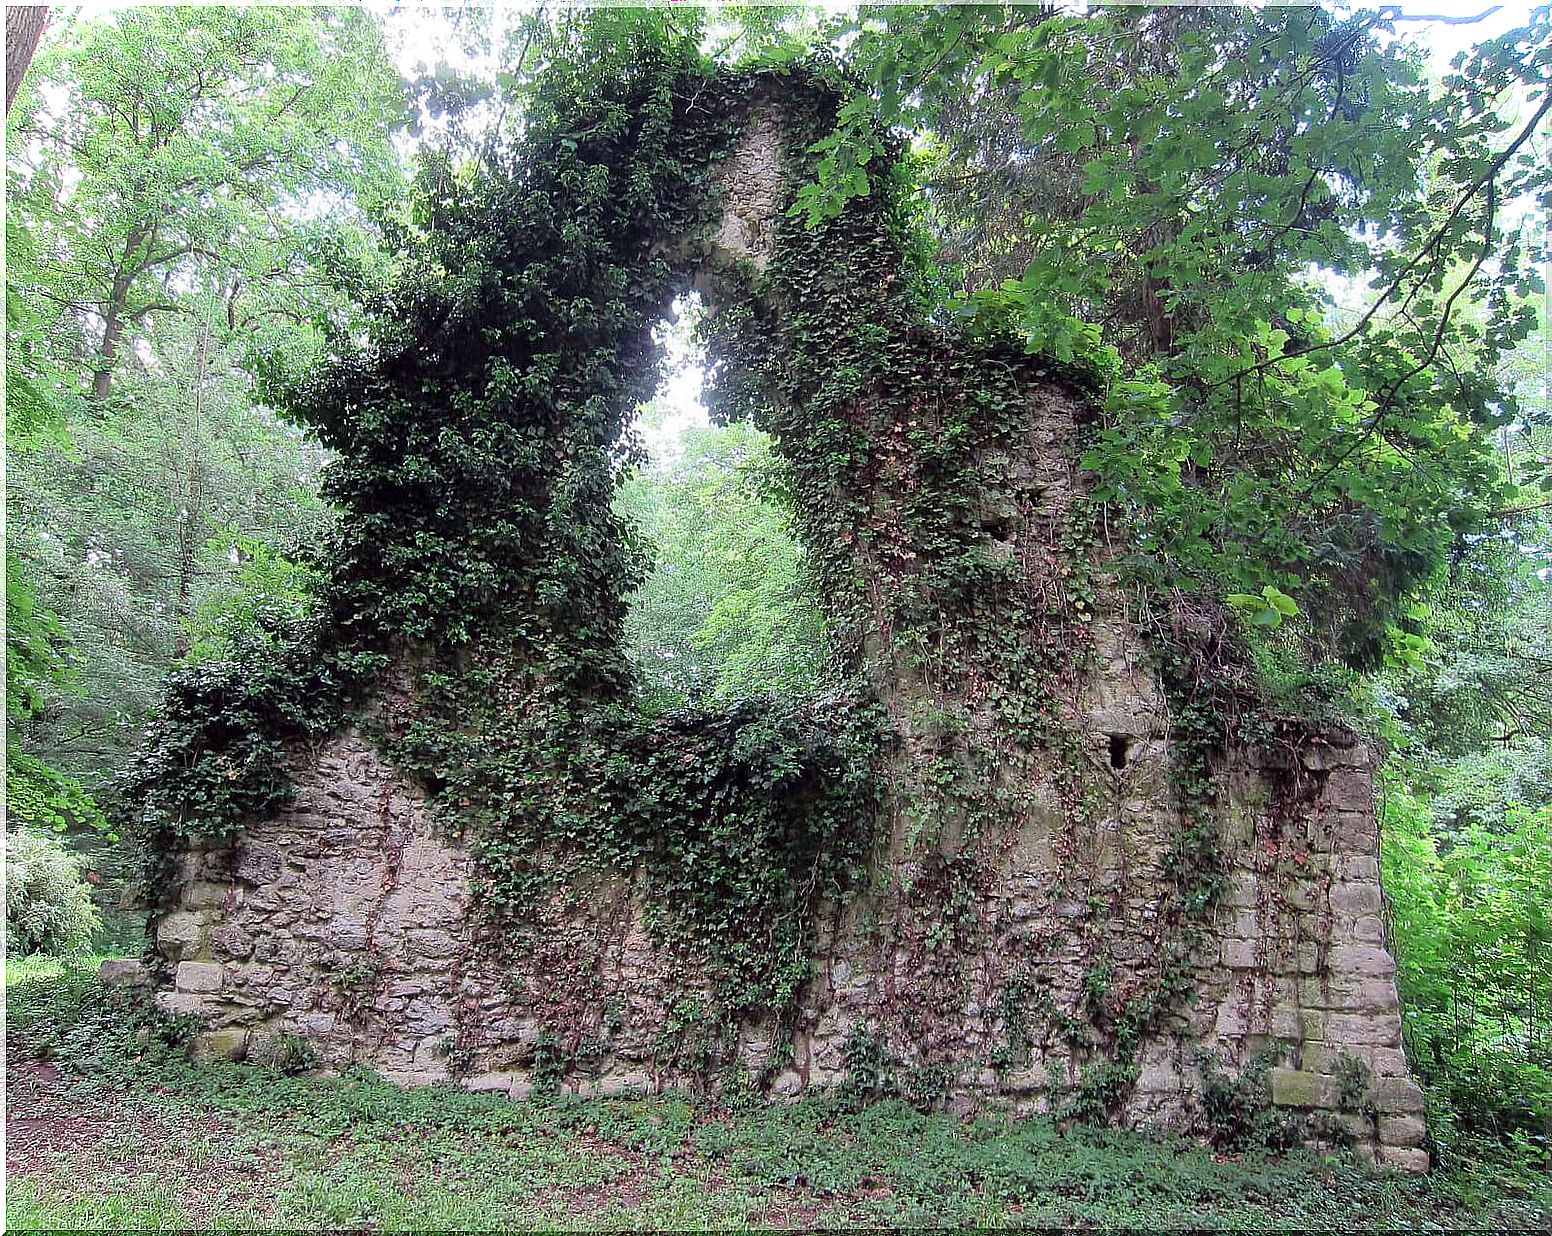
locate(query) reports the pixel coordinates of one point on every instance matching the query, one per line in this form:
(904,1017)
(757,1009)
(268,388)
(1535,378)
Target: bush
(48,906)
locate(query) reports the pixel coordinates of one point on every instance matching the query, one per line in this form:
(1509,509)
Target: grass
(112,1126)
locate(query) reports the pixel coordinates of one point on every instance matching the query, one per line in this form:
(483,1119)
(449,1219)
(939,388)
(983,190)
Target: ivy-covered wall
(1040,843)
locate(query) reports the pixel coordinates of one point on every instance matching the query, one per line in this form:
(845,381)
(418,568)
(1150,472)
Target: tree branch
(1465,199)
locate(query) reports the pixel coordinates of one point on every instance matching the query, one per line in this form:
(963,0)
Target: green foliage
(354,1149)
(188,192)
(723,613)
(870,1069)
(36,793)
(1473,948)
(1152,189)
(266,590)
(119,527)
(1237,1109)
(284,1053)
(163,148)
(48,906)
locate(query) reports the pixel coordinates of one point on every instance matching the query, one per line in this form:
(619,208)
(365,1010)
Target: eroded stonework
(347,920)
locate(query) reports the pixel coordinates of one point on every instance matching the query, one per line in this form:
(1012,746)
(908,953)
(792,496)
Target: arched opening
(726,610)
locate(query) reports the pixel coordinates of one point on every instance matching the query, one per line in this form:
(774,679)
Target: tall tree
(23,28)
(198,145)
(1162,183)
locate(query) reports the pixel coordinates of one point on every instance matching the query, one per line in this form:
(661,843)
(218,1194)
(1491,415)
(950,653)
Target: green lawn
(111,1126)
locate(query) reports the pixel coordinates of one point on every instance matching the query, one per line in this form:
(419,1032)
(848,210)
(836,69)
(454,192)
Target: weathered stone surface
(258,862)
(1396,1096)
(205,895)
(1402,1130)
(229,1044)
(490,1083)
(181,934)
(1297,1088)
(123,972)
(199,976)
(1402,1160)
(180,1003)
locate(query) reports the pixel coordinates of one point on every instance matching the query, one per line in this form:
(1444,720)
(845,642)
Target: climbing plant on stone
(973,828)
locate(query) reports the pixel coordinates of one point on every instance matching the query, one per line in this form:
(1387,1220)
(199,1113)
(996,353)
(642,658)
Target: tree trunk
(23,28)
(113,310)
(112,333)
(192,525)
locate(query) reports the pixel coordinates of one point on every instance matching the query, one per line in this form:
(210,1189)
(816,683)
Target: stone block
(230,940)
(1239,954)
(1233,1020)
(1389,1062)
(1322,757)
(1356,868)
(1353,790)
(1241,889)
(1370,929)
(1402,1159)
(490,1083)
(230,1043)
(1245,924)
(1351,993)
(179,1003)
(1362,1030)
(431,943)
(122,972)
(1396,1096)
(1403,1131)
(631,1083)
(199,976)
(1355,830)
(1285,1022)
(1298,1088)
(1368,959)
(259,862)
(1302,895)
(316,1024)
(181,935)
(205,895)
(1358,1127)
(1355,900)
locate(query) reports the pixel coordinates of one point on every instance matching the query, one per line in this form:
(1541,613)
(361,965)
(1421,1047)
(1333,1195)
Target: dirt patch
(41,1124)
(66,1138)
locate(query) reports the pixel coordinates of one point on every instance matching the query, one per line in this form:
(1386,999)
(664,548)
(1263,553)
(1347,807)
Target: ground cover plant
(1291,257)
(110,1124)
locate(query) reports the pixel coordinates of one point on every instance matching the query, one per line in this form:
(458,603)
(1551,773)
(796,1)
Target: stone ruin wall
(347,919)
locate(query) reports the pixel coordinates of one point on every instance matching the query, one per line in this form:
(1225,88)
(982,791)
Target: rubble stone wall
(347,920)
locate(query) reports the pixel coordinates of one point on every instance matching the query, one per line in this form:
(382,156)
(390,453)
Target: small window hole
(1118,749)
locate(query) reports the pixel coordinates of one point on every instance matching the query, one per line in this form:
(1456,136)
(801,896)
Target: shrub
(1237,1110)
(48,906)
